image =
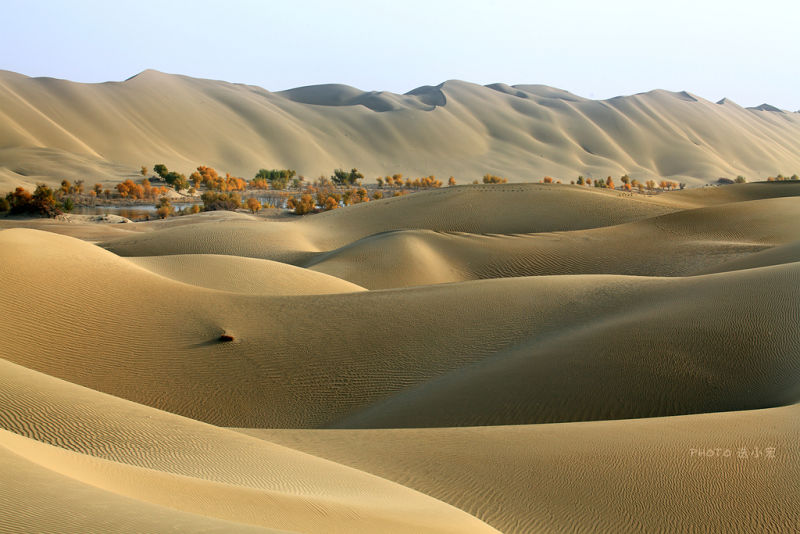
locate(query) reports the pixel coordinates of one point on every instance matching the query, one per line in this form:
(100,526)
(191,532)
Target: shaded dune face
(51,129)
(474,359)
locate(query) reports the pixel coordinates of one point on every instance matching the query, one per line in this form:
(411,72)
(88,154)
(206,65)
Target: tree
(302,205)
(609,183)
(213,200)
(740,179)
(161,170)
(547,180)
(377,195)
(4,205)
(164,208)
(98,188)
(451,182)
(66,187)
(342,177)
(580,180)
(492,179)
(143,171)
(625,179)
(331,203)
(277,178)
(380,181)
(253,205)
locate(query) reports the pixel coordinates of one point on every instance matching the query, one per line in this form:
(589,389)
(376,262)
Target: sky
(746,51)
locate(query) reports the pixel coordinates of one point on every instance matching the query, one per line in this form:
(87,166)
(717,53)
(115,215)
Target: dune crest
(50,129)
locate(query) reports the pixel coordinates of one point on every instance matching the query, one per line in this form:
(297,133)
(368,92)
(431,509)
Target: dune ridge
(53,128)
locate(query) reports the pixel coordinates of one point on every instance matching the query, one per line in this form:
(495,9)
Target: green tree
(277,178)
(161,170)
(342,177)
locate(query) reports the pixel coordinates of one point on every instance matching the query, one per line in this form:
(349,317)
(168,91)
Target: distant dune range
(393,365)
(52,129)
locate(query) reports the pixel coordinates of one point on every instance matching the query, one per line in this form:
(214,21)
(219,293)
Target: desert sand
(52,129)
(512,358)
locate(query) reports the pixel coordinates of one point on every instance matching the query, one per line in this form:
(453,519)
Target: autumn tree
(580,180)
(451,182)
(377,195)
(331,203)
(164,208)
(253,205)
(98,188)
(547,180)
(492,179)
(277,178)
(380,181)
(213,200)
(609,183)
(143,171)
(302,205)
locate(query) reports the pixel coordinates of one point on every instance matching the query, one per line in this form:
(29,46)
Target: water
(129,212)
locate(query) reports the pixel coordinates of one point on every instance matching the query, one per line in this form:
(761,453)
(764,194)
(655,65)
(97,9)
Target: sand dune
(51,129)
(638,327)
(189,472)
(244,275)
(688,242)
(610,476)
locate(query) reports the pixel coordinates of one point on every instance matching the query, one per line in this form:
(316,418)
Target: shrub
(302,205)
(491,179)
(342,177)
(221,201)
(331,203)
(277,178)
(253,205)
(164,208)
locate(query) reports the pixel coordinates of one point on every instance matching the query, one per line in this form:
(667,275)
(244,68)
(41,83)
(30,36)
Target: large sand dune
(638,327)
(51,129)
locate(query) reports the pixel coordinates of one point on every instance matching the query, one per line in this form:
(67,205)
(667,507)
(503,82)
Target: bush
(164,209)
(4,205)
(302,205)
(277,178)
(253,205)
(69,205)
(221,201)
(342,177)
(492,179)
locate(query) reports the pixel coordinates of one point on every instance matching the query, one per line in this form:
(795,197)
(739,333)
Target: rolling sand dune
(194,472)
(51,129)
(610,476)
(638,327)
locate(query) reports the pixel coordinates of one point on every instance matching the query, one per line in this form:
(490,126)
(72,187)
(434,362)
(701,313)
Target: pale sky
(746,51)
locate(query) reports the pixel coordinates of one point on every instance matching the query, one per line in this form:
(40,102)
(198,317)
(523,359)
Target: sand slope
(639,328)
(620,476)
(51,128)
